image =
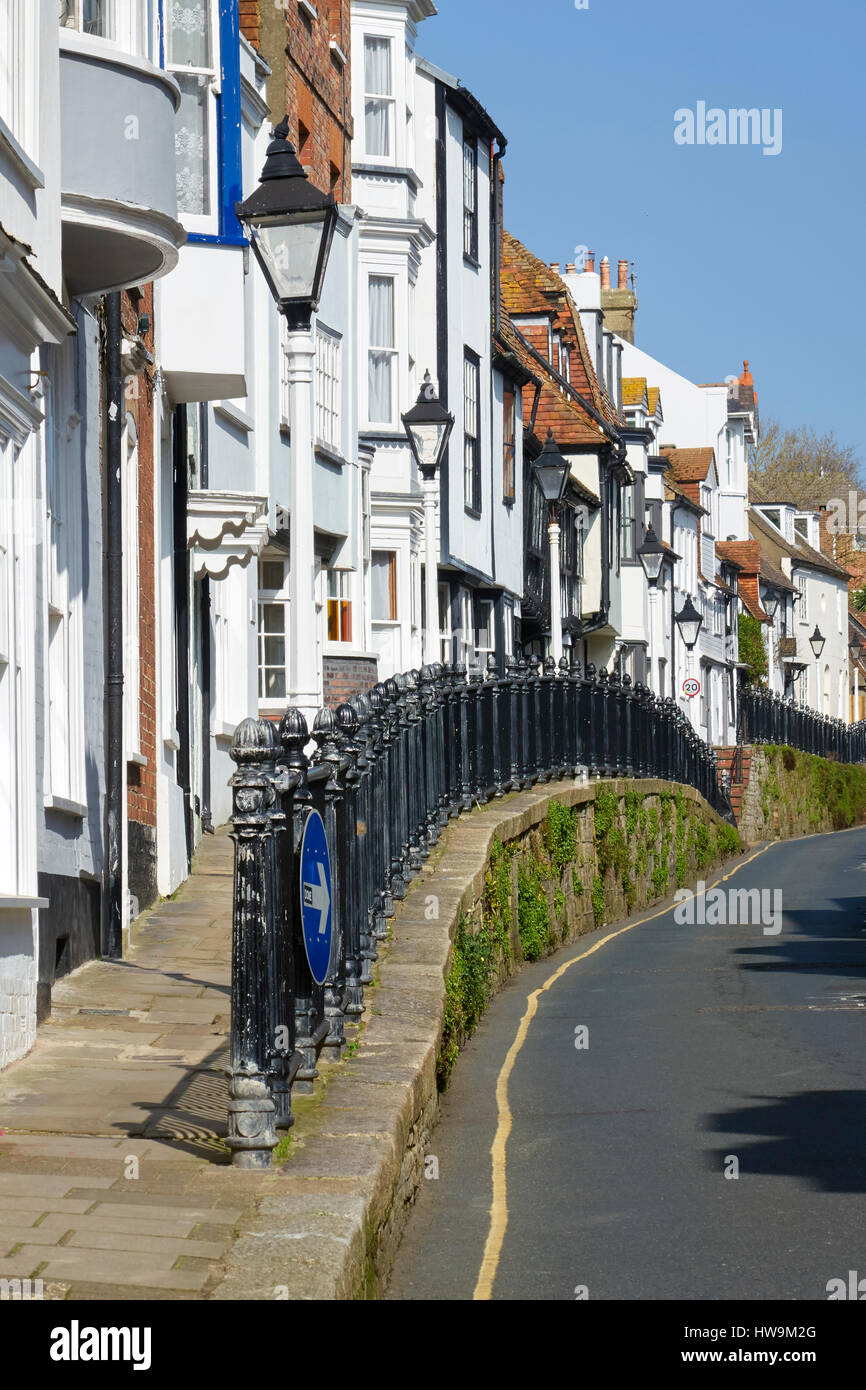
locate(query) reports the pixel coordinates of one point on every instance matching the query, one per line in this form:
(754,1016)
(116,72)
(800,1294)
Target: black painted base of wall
(141,869)
(69,931)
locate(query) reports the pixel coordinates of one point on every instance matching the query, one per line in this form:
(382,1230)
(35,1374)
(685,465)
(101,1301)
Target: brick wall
(344,676)
(141,781)
(310,82)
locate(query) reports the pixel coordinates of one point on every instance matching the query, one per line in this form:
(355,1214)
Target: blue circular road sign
(316,915)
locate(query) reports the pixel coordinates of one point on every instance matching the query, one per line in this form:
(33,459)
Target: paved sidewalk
(114,1181)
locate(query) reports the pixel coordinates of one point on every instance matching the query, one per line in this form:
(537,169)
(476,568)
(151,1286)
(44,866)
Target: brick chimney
(554,266)
(589,263)
(570,268)
(619,305)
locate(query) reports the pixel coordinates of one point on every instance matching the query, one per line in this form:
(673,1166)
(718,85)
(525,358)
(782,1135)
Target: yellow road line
(499,1204)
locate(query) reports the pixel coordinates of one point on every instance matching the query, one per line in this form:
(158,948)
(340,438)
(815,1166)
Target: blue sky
(737,254)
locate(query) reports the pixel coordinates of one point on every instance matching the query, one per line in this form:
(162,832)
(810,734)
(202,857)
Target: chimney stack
(605,273)
(554,266)
(619,304)
(589,263)
(622,275)
(570,268)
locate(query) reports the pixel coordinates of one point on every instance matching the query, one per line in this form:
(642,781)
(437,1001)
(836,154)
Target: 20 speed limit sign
(691,687)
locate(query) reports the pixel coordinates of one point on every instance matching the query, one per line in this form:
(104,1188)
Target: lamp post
(552,473)
(816,642)
(290,225)
(770,605)
(651,554)
(855,651)
(689,622)
(428,427)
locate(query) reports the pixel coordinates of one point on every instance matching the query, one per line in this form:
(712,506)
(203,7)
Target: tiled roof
(675,493)
(634,391)
(689,465)
(773,575)
(654,399)
(529,287)
(746,555)
(800,553)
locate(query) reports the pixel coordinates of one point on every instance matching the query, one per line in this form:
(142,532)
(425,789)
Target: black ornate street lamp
(770,602)
(651,554)
(552,473)
(291,226)
(428,427)
(689,622)
(817,642)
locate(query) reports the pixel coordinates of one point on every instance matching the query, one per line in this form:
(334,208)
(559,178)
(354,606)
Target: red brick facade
(344,676)
(141,780)
(311,80)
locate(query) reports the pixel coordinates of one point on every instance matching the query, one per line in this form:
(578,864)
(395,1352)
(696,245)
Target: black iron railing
(390,769)
(767,718)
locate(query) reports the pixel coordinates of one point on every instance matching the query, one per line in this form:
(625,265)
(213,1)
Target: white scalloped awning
(225,529)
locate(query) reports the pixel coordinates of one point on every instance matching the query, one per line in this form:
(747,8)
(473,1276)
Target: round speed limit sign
(691,687)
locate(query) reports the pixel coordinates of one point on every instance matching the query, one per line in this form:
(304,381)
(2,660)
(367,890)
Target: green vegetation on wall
(834,793)
(752,651)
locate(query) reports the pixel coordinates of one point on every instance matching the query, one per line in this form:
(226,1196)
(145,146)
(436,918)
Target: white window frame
(343,582)
(19,74)
(375,272)
(484,652)
(329,388)
(802,583)
(446,634)
(128,23)
(281,597)
(204,224)
(391,98)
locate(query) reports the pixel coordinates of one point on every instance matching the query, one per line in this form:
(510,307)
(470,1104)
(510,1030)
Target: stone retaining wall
(525,875)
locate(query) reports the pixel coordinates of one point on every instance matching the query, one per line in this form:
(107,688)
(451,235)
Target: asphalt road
(706,1043)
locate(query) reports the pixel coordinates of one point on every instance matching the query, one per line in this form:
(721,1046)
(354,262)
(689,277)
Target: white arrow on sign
(320,898)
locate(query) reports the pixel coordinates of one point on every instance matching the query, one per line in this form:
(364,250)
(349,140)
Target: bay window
(383,586)
(339,606)
(378,98)
(123,22)
(273,628)
(329,349)
(445,635)
(382,350)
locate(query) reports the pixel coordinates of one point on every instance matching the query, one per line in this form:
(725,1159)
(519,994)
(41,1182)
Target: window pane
(275,651)
(275,685)
(97,18)
(377,120)
(377,67)
(380,387)
(272,574)
(382,311)
(191,143)
(382,596)
(273,618)
(188,33)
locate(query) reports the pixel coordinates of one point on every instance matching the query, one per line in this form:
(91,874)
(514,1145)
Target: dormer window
(378,98)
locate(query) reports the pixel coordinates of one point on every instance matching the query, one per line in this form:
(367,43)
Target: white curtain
(191,145)
(381,339)
(188,33)
(378,100)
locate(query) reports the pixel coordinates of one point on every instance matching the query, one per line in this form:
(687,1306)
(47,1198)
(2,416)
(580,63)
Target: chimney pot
(622,275)
(605,273)
(554,266)
(589,264)
(570,268)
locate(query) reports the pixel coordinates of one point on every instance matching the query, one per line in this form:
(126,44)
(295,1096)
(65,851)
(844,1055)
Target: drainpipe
(114,630)
(206,667)
(181,616)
